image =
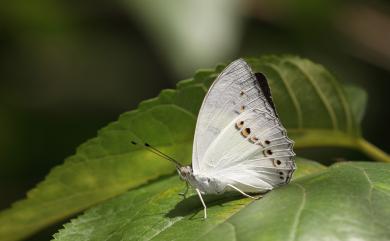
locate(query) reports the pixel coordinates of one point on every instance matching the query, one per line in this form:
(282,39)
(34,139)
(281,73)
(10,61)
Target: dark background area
(68,68)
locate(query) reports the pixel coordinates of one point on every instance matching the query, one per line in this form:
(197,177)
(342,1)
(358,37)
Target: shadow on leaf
(193,205)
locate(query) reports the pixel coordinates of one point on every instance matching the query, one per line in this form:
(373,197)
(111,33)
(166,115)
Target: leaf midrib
(297,218)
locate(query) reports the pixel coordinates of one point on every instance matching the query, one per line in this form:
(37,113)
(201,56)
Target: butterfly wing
(239,138)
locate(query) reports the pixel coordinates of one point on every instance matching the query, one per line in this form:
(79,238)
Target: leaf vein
(326,103)
(344,102)
(297,218)
(290,94)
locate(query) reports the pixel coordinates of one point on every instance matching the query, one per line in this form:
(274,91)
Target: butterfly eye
(239,124)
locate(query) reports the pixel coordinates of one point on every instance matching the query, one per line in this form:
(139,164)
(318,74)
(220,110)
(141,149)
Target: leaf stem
(372,151)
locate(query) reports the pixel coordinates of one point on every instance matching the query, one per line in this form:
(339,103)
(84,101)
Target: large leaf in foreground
(158,197)
(108,165)
(347,201)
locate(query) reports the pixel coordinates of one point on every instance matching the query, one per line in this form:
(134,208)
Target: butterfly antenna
(158,153)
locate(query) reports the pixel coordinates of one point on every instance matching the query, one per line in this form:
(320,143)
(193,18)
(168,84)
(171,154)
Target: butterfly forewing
(239,138)
(233,91)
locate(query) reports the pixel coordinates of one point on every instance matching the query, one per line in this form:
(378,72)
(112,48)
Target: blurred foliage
(68,67)
(190,34)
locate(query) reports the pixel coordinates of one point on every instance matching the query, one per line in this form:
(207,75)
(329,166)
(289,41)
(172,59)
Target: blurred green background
(68,68)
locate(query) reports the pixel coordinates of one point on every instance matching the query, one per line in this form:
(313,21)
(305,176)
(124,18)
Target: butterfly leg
(204,205)
(185,191)
(243,193)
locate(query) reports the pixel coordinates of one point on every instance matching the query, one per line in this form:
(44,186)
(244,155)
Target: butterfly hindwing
(253,149)
(239,138)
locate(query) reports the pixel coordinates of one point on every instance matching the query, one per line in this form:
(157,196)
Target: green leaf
(311,103)
(358,100)
(316,109)
(108,165)
(344,202)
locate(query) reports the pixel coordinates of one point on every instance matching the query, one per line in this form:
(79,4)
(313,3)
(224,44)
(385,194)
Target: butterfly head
(185,172)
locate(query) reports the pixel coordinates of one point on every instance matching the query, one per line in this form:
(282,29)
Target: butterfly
(239,142)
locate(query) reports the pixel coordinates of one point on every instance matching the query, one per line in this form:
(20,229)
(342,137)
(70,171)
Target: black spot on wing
(266,90)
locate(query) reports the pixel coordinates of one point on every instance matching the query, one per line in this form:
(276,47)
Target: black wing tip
(263,82)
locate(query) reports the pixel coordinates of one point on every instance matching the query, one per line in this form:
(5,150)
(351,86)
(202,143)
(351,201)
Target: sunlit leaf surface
(348,201)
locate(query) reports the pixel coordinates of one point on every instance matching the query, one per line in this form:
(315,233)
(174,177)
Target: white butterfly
(240,144)
(239,141)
